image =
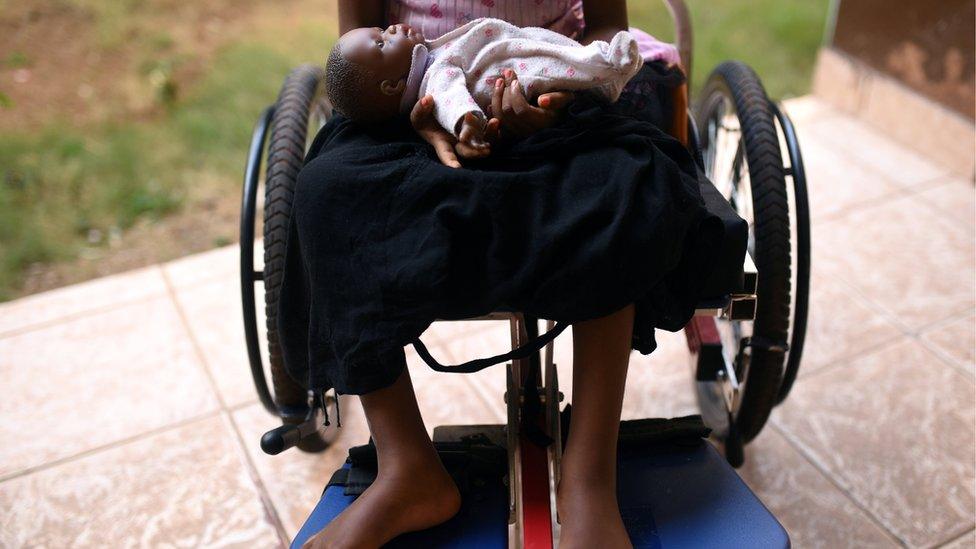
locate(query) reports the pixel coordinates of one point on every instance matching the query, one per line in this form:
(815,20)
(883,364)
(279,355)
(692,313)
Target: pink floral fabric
(436,17)
(466,63)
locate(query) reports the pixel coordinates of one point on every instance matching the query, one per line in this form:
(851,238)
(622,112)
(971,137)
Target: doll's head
(367,71)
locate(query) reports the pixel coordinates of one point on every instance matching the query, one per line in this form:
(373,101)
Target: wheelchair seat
(728,275)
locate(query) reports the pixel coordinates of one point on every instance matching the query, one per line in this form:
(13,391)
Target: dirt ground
(73,60)
(211,221)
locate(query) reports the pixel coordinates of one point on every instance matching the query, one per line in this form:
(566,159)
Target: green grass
(777,38)
(64,188)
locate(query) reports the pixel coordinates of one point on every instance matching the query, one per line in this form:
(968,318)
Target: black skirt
(572,223)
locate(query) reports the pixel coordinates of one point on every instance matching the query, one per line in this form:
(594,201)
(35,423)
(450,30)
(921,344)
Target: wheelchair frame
(532,396)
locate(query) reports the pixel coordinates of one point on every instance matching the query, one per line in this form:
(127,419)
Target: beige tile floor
(128,417)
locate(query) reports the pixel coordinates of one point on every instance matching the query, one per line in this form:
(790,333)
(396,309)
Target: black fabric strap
(532,346)
(339,478)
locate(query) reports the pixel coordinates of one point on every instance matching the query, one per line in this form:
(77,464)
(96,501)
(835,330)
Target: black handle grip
(278,440)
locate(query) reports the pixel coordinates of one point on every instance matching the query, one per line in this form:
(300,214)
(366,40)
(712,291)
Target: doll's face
(385,52)
(385,56)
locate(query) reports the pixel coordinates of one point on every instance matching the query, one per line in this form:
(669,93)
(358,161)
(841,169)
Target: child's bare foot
(590,518)
(589,515)
(394,504)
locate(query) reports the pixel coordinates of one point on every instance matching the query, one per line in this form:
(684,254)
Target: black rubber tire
(734,447)
(772,238)
(286,153)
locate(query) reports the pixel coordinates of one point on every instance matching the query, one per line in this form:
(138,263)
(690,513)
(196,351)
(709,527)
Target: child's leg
(587,493)
(412,490)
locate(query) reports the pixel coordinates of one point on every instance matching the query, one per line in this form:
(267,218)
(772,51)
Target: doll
(374,74)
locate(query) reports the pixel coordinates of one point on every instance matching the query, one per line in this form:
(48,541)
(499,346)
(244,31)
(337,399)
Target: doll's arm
(455,108)
(602,68)
(452,99)
(460,119)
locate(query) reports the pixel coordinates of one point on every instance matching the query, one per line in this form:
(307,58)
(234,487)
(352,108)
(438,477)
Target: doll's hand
(472,137)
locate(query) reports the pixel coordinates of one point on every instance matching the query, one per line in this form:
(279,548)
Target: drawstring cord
(325,409)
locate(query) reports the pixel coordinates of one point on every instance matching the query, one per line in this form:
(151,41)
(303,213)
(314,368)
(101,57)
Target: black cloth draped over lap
(572,223)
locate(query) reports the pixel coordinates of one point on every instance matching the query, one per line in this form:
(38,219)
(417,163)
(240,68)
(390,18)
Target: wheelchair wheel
(741,155)
(300,111)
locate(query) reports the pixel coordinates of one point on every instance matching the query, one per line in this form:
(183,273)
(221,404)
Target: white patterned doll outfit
(459,68)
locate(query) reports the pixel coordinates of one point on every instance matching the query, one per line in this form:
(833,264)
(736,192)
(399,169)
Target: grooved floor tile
(95,380)
(873,150)
(649,383)
(955,197)
(182,488)
(835,184)
(895,430)
(453,399)
(445,395)
(906,258)
(213,313)
(661,384)
(488,339)
(658,385)
(813,511)
(71,301)
(956,340)
(967,541)
(840,325)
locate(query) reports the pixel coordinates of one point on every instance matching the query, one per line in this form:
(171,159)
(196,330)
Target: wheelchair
(745,341)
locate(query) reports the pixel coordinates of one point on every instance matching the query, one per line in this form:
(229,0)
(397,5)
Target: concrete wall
(907,67)
(928,45)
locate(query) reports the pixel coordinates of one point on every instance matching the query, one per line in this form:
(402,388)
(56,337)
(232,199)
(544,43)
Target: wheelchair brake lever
(289,435)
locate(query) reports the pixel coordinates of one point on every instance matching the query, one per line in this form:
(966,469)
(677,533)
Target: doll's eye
(380,43)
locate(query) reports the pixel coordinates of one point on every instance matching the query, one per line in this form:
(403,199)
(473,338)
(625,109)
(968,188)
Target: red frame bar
(534,464)
(536,513)
(702,331)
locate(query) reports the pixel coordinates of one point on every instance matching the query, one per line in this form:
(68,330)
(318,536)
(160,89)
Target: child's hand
(472,137)
(519,117)
(422,118)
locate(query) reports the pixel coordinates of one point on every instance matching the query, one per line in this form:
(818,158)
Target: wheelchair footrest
(675,490)
(478,466)
(687,495)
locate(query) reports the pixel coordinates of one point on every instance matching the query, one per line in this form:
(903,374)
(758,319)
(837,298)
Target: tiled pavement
(128,418)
